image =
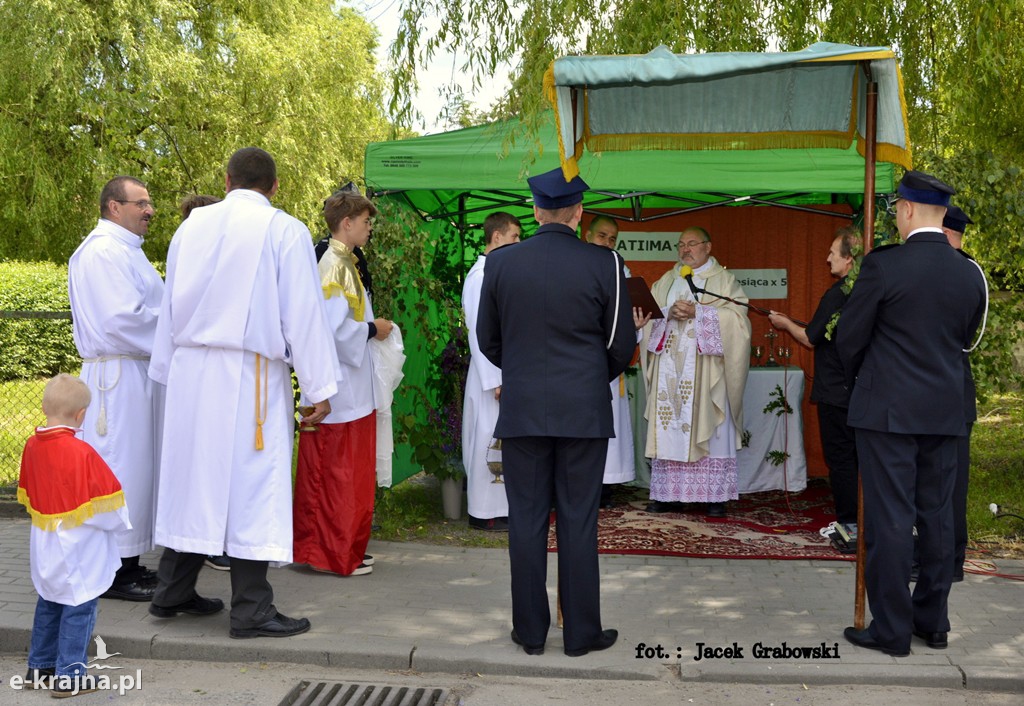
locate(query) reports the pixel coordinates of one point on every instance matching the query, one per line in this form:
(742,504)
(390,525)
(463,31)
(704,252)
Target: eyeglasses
(692,244)
(141,203)
(890,204)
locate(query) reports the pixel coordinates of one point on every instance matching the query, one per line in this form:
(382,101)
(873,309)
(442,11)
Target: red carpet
(758,526)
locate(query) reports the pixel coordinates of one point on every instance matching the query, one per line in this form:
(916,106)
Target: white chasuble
(695,372)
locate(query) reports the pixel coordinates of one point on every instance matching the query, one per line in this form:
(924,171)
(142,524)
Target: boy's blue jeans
(60,636)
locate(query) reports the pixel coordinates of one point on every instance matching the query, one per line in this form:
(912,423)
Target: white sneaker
(361,570)
(367,560)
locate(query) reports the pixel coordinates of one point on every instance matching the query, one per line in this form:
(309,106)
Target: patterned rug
(767,525)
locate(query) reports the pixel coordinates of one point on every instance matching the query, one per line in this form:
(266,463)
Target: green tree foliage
(165,90)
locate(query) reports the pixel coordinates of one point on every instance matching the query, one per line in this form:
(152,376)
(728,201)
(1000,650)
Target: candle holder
(305,411)
(771,363)
(494,464)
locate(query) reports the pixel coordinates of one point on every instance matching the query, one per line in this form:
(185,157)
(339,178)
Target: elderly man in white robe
(115,299)
(695,368)
(243,303)
(488,504)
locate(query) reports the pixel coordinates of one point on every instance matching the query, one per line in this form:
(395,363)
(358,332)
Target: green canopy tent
(463,175)
(769,152)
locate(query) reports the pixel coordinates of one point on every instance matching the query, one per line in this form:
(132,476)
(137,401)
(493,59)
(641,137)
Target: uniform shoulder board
(965,254)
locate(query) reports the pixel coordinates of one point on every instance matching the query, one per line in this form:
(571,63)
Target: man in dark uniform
(954,225)
(913,310)
(555,317)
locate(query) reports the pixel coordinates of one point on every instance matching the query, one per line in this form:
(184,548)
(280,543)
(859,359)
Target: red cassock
(334,492)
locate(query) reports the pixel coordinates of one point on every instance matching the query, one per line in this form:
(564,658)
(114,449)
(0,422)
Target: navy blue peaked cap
(924,188)
(956,219)
(551,190)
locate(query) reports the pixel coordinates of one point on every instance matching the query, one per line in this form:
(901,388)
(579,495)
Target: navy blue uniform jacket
(546,312)
(912,311)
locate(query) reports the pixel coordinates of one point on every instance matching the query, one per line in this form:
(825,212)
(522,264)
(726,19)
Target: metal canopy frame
(631,201)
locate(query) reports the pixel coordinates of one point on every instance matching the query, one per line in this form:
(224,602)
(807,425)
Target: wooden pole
(871,112)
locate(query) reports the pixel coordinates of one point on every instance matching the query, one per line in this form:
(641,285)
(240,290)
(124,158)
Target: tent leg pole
(869,239)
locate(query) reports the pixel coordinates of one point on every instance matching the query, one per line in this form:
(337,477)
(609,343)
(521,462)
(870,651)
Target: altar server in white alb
(336,474)
(488,505)
(115,299)
(619,466)
(243,304)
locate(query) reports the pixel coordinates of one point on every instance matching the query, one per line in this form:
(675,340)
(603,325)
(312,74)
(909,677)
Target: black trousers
(840,449)
(963,476)
(252,598)
(538,469)
(908,480)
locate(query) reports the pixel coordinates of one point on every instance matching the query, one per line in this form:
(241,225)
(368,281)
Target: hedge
(33,348)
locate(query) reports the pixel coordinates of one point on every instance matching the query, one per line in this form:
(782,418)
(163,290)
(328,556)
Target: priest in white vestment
(243,303)
(488,505)
(695,368)
(115,299)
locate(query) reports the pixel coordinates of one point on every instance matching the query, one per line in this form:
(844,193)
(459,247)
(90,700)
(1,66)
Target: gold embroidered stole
(338,275)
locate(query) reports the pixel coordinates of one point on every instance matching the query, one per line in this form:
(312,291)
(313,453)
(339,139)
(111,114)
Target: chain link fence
(34,345)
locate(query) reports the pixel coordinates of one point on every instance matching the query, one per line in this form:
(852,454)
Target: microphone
(687,273)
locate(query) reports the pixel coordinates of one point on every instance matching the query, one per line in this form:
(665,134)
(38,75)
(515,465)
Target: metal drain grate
(344,694)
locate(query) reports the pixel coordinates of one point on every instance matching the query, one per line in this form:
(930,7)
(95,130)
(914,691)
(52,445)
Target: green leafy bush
(33,348)
(998,362)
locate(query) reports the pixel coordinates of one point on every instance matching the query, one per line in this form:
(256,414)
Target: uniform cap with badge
(550,190)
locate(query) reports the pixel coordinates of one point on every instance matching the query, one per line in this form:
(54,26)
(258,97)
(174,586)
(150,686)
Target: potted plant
(437,443)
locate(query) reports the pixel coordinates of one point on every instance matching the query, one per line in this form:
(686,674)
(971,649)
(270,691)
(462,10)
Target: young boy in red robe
(336,475)
(76,505)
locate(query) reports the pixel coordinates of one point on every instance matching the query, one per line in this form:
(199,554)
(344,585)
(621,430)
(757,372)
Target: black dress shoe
(935,640)
(659,506)
(605,640)
(716,510)
(278,626)
(196,605)
(131,592)
(863,638)
(526,648)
